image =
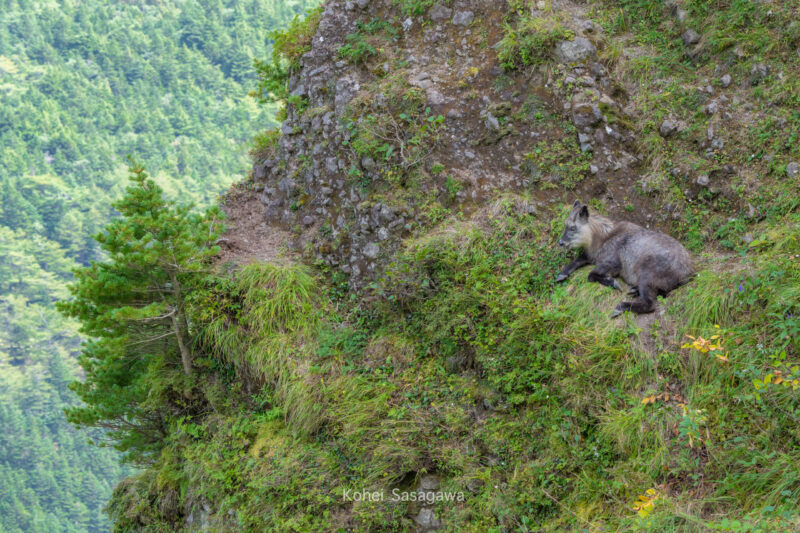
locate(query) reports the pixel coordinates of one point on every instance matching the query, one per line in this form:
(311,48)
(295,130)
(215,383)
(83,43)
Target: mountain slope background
(82,86)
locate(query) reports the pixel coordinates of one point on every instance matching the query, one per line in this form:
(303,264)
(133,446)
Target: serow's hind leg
(645,304)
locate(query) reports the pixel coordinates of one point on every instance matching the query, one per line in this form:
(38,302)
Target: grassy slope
(484,374)
(467,362)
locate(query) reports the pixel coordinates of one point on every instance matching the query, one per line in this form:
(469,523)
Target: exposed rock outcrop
(319,186)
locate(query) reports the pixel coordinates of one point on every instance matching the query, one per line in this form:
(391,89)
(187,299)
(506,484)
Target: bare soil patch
(248,237)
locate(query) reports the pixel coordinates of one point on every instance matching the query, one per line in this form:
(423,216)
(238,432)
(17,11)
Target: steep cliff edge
(422,371)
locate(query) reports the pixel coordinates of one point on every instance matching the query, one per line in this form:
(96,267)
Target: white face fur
(577,231)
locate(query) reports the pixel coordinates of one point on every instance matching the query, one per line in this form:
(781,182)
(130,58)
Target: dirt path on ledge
(248,237)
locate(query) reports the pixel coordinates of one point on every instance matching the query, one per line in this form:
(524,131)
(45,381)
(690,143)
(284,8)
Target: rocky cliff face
(353,175)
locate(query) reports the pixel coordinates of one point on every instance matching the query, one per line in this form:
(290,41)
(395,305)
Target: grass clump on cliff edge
(360,46)
(264,144)
(272,75)
(288,47)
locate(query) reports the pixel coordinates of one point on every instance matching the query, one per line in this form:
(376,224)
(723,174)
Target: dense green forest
(83,85)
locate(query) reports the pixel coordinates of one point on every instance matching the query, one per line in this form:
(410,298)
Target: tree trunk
(186,356)
(179,324)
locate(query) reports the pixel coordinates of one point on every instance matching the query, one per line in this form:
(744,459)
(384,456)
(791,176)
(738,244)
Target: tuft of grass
(265,144)
(292,43)
(277,299)
(530,40)
(412,8)
(710,297)
(288,47)
(357,49)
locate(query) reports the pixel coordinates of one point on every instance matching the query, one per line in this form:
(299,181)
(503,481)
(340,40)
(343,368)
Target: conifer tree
(133,308)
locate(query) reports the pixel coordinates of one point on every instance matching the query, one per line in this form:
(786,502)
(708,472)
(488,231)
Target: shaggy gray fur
(650,262)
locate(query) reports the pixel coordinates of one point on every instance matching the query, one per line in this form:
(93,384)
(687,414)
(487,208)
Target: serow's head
(576,227)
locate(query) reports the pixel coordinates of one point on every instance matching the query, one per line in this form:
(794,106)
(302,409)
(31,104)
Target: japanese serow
(650,262)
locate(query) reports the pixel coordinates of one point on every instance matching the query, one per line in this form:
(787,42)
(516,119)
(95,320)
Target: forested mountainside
(377,341)
(83,85)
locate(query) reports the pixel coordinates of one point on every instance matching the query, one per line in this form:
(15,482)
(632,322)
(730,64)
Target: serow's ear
(584,214)
(576,205)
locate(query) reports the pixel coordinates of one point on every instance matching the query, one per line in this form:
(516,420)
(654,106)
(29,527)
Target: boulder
(585,142)
(426,520)
(439,13)
(586,115)
(463,18)
(371,250)
(758,73)
(492,123)
(346,89)
(578,50)
(793,169)
(421,80)
(332,165)
(435,98)
(260,172)
(690,37)
(368,164)
(475,484)
(429,482)
(587,26)
(668,128)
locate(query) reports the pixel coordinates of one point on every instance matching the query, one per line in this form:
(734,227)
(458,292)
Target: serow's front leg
(604,279)
(581,261)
